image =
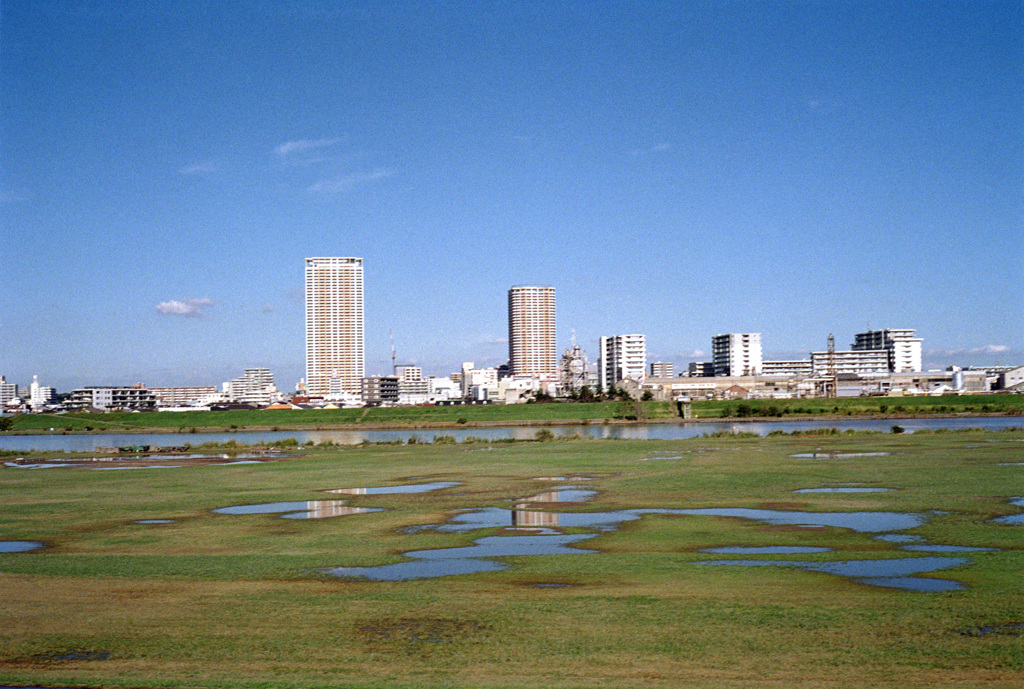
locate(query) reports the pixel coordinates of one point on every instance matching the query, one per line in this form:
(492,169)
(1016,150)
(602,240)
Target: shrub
(896,428)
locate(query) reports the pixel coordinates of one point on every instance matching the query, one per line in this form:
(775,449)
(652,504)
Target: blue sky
(674,169)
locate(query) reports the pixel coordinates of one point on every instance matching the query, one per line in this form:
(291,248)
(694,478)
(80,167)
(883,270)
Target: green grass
(239,601)
(422,417)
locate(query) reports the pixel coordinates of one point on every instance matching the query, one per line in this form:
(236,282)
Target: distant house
(736,392)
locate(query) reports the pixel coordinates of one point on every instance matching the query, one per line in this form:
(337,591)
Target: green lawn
(216,600)
(596,412)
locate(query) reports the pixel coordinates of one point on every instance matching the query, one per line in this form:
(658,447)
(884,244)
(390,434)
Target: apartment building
(736,354)
(334,324)
(531,331)
(623,357)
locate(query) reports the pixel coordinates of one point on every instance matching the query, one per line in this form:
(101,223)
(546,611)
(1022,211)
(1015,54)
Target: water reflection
(397,490)
(478,557)
(309,509)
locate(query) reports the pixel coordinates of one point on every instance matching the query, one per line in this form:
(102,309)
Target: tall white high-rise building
(622,357)
(334,324)
(736,354)
(531,331)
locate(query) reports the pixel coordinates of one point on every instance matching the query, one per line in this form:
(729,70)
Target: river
(659,431)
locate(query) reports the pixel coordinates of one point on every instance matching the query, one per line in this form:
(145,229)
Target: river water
(676,431)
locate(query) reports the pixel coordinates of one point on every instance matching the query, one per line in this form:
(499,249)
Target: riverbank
(484,425)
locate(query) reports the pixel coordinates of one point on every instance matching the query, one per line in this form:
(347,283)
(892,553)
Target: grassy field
(597,412)
(215,600)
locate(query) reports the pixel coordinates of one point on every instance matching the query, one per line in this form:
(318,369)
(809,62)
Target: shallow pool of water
(898,538)
(843,489)
(539,534)
(154,521)
(838,455)
(765,550)
(427,564)
(899,573)
(567,494)
(308,509)
(397,490)
(19,546)
(938,548)
(1012,518)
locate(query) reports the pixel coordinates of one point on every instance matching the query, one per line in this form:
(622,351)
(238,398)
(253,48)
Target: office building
(531,331)
(623,357)
(736,354)
(334,324)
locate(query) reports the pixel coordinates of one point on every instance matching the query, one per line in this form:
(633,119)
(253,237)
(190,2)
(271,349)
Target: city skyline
(677,170)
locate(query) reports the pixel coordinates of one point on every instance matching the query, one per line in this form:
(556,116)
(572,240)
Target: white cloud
(333,186)
(991,349)
(203,168)
(192,308)
(303,145)
(658,148)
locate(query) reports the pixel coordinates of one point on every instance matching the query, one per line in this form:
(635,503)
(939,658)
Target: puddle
(539,537)
(1012,518)
(923,548)
(886,573)
(899,538)
(865,522)
(154,521)
(148,466)
(396,490)
(563,478)
(567,494)
(765,550)
(309,509)
(838,455)
(427,564)
(1013,629)
(19,546)
(656,459)
(843,489)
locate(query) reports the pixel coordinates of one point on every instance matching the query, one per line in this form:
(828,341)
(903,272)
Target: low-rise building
(135,398)
(186,396)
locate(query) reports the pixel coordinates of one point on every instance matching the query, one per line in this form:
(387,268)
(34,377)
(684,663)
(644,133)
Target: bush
(544,435)
(896,428)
